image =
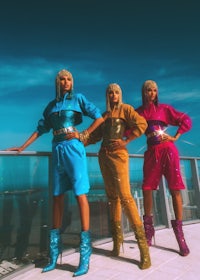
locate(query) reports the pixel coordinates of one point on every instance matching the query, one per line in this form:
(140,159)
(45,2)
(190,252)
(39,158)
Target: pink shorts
(162,159)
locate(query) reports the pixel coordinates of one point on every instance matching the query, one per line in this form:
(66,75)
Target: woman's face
(65,84)
(151,93)
(113,96)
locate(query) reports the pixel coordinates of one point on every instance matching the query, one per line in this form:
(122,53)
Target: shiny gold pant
(115,171)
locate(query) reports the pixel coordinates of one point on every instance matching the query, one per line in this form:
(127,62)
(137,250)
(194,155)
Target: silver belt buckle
(69,129)
(66,130)
(154,133)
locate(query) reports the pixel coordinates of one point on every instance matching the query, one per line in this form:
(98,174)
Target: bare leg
(58,208)
(148,202)
(177,204)
(84,211)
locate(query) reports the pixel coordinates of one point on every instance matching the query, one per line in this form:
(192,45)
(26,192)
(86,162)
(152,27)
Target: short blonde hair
(113,87)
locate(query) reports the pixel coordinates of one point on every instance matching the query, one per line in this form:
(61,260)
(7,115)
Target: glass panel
(98,201)
(23,207)
(188,195)
(198,166)
(136,177)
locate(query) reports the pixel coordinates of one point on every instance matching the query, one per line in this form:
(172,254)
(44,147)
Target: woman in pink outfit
(162,158)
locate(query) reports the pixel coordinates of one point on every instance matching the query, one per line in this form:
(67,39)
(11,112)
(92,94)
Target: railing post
(196,183)
(50,195)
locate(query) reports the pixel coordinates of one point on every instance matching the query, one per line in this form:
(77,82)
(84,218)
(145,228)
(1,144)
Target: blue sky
(99,42)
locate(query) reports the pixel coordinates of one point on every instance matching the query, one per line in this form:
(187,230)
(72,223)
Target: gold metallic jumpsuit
(114,165)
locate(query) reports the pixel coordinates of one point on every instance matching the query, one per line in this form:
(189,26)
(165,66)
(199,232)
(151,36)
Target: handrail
(89,154)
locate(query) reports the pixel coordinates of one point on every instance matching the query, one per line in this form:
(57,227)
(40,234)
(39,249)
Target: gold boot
(117,236)
(145,261)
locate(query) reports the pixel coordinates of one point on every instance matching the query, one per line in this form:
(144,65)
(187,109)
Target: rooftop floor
(167,264)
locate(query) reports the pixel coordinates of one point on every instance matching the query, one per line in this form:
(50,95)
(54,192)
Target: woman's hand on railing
(15,149)
(28,142)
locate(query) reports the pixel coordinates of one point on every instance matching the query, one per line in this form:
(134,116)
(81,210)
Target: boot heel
(123,247)
(154,240)
(61,258)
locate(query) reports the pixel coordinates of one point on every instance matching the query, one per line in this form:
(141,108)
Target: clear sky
(100,42)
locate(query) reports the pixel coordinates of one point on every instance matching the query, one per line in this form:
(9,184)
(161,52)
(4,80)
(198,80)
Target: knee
(129,200)
(113,200)
(147,194)
(58,199)
(175,194)
(82,199)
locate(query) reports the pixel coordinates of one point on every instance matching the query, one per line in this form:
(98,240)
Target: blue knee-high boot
(55,249)
(85,253)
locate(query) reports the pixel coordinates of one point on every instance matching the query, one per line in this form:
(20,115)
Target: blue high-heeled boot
(85,253)
(55,249)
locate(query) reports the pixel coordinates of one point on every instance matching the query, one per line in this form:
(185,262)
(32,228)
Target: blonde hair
(113,87)
(145,86)
(58,76)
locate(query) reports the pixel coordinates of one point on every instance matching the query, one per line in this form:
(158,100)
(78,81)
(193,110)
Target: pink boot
(149,228)
(178,231)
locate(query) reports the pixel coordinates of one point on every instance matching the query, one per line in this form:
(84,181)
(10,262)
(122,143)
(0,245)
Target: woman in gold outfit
(114,165)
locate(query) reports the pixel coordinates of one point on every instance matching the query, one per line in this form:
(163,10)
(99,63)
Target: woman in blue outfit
(62,115)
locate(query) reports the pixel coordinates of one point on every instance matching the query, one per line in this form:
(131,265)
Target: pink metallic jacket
(159,117)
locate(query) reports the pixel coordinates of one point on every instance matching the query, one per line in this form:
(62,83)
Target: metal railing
(25,203)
